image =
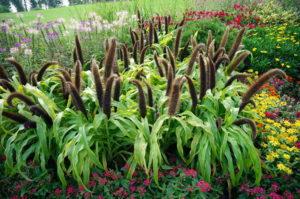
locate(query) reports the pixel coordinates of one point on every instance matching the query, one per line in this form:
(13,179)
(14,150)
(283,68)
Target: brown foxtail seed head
(185,51)
(107,96)
(63,86)
(258,83)
(74,55)
(21,97)
(156,40)
(43,69)
(165,64)
(125,57)
(117,90)
(211,49)
(33,78)
(177,42)
(208,73)
(151,33)
(76,98)
(212,73)
(237,61)
(174,97)
(132,36)
(78,49)
(3,74)
(202,69)
(143,53)
(170,78)
(182,22)
(194,56)
(236,77)
(150,95)
(6,85)
(66,75)
(77,80)
(219,53)
(224,38)
(159,23)
(15,117)
(222,59)
(160,71)
(21,73)
(98,83)
(36,110)
(166,24)
(109,59)
(236,43)
(171,59)
(142,43)
(209,39)
(135,52)
(193,92)
(251,123)
(142,99)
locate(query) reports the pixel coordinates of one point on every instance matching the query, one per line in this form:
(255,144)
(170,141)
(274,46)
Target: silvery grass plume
(19,119)
(185,51)
(251,123)
(254,88)
(150,34)
(160,70)
(171,59)
(170,78)
(77,101)
(142,99)
(174,98)
(236,44)
(21,73)
(143,54)
(203,75)
(235,77)
(224,39)
(66,75)
(193,92)
(193,58)
(219,53)
(6,85)
(36,110)
(135,52)
(3,74)
(109,59)
(237,60)
(43,70)
(19,96)
(78,50)
(98,83)
(107,96)
(177,42)
(125,57)
(150,95)
(221,60)
(77,78)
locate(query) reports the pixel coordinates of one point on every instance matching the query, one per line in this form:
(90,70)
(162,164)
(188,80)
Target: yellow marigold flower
(276,124)
(286,122)
(254,49)
(264,145)
(281,166)
(286,156)
(288,171)
(291,131)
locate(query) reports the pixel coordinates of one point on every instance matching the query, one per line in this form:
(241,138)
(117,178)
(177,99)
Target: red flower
(32,191)
(132,188)
(70,190)
(14,197)
(57,192)
(204,186)
(147,182)
(298,114)
(87,195)
(190,172)
(102,181)
(100,197)
(270,115)
(251,25)
(275,187)
(256,190)
(120,193)
(288,195)
(126,167)
(274,195)
(92,183)
(141,190)
(81,188)
(297,144)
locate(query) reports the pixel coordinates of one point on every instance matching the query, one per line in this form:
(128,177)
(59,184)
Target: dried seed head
(21,73)
(125,57)
(15,117)
(211,49)
(237,61)
(236,77)
(150,95)
(182,22)
(107,96)
(202,68)
(77,80)
(219,53)
(135,52)
(212,73)
(209,39)
(251,123)
(174,98)
(66,75)
(43,69)
(6,85)
(151,33)
(76,98)
(169,80)
(132,36)
(177,42)
(3,74)
(78,50)
(142,99)
(156,40)
(194,56)
(220,60)
(109,59)
(33,78)
(258,83)
(224,38)
(185,51)
(75,57)
(98,83)
(63,86)
(143,53)
(172,60)
(21,97)
(193,92)
(165,64)
(236,43)
(140,74)
(193,41)
(159,24)
(36,110)
(160,71)
(208,73)
(166,24)
(117,90)
(142,43)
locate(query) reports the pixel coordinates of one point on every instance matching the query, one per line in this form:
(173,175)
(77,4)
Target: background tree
(33,3)
(18,4)
(4,6)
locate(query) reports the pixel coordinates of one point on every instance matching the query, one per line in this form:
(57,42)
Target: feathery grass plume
(236,43)
(106,45)
(109,59)
(212,73)
(219,53)
(171,59)
(224,39)
(74,55)
(174,98)
(21,73)
(36,110)
(209,39)
(142,43)
(177,42)
(251,123)
(236,77)
(21,97)
(125,57)
(165,52)
(78,49)
(202,69)
(132,36)
(237,60)
(19,119)
(117,91)
(166,24)
(193,41)
(135,52)
(63,86)
(142,99)
(72,90)
(219,123)
(43,69)
(6,85)
(193,58)
(211,49)
(33,78)
(150,95)
(150,34)
(185,51)
(170,79)
(222,59)
(156,40)
(143,53)
(258,83)
(160,71)
(69,70)
(98,83)
(3,74)
(107,96)
(66,75)
(193,92)
(77,80)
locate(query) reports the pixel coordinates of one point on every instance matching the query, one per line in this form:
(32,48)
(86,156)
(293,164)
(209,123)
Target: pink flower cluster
(204,186)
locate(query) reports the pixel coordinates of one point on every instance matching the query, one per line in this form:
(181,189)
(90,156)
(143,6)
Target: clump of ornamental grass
(142,98)
(43,69)
(38,111)
(20,70)
(236,44)
(19,96)
(251,123)
(254,88)
(77,101)
(6,85)
(97,81)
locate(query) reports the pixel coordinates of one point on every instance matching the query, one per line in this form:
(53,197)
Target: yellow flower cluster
(278,136)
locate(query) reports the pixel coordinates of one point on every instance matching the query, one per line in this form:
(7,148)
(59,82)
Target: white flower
(92,14)
(60,20)
(28,52)
(14,50)
(32,31)
(39,15)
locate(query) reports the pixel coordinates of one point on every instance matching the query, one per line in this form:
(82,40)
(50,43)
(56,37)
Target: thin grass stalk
(142,99)
(237,61)
(78,49)
(19,96)
(236,43)
(177,42)
(72,90)
(132,36)
(21,73)
(98,83)
(6,85)
(44,68)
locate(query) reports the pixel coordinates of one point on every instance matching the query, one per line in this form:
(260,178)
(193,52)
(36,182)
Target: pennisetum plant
(78,50)
(251,123)
(38,111)
(77,78)
(3,74)
(177,42)
(160,70)
(63,86)
(143,53)
(209,39)
(109,59)
(135,52)
(222,59)
(171,59)
(170,77)
(150,34)
(219,53)
(33,78)
(72,90)
(150,95)
(202,69)
(19,96)
(166,20)
(21,73)
(6,85)
(236,44)
(142,99)
(18,118)
(66,75)
(174,98)
(125,57)
(142,42)
(107,96)
(117,91)
(237,60)
(193,58)
(212,77)
(224,38)
(235,77)
(185,51)
(43,69)
(98,83)
(193,92)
